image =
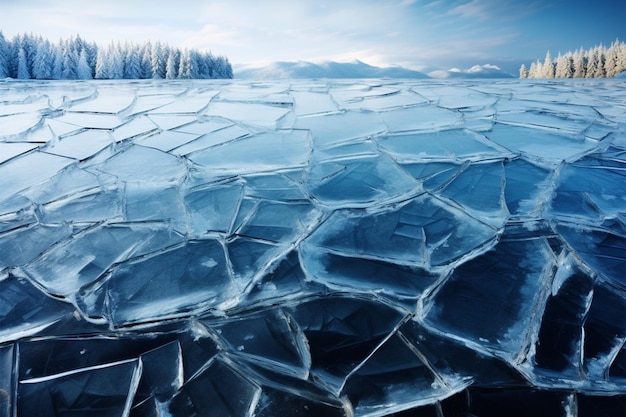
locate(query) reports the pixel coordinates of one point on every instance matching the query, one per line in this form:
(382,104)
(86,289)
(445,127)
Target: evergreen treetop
(596,62)
(28,56)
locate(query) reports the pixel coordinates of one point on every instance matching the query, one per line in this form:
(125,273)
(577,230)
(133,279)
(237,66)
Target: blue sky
(412,33)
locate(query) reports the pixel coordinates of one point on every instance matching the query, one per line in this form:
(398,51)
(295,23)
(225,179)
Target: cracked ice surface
(322,248)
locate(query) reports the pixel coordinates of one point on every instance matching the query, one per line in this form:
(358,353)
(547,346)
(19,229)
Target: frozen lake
(313,247)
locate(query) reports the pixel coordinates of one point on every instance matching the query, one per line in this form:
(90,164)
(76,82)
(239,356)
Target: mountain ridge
(356,69)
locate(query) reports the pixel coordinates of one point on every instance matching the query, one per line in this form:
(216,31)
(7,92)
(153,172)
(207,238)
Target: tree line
(33,57)
(596,62)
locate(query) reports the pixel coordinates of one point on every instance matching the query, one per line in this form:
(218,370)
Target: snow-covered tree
(592,63)
(580,64)
(547,70)
(28,56)
(57,64)
(27,44)
(102,65)
(146,61)
(228,69)
(185,69)
(171,67)
(22,65)
(70,62)
(563,67)
(4,56)
(601,57)
(158,61)
(132,62)
(116,57)
(44,61)
(621,60)
(14,48)
(83,70)
(523,71)
(596,62)
(612,60)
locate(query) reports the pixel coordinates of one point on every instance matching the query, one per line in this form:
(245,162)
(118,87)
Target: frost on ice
(322,248)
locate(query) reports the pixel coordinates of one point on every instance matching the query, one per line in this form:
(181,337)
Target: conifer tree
(28,56)
(171,67)
(146,61)
(523,71)
(4,57)
(621,60)
(132,66)
(597,62)
(43,63)
(601,57)
(102,66)
(579,64)
(116,57)
(158,61)
(547,70)
(70,62)
(83,71)
(612,60)
(57,64)
(592,63)
(563,68)
(22,65)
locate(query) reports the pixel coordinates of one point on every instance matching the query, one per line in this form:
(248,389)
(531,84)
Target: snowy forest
(32,57)
(596,62)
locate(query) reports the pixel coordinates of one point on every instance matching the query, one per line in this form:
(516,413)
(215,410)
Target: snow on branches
(596,62)
(32,57)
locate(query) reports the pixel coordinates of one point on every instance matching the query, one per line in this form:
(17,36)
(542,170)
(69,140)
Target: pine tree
(29,46)
(102,65)
(592,63)
(547,70)
(116,58)
(83,71)
(70,62)
(601,56)
(611,61)
(158,61)
(91,53)
(27,56)
(4,57)
(14,49)
(132,66)
(57,63)
(523,71)
(579,64)
(184,69)
(532,71)
(621,58)
(44,60)
(171,68)
(596,62)
(563,68)
(227,69)
(22,65)
(146,61)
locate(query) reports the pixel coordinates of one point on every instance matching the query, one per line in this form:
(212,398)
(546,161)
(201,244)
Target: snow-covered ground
(302,247)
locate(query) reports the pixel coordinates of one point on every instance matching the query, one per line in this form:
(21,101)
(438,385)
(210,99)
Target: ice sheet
(323,248)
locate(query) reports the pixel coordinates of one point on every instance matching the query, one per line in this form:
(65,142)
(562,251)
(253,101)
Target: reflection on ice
(321,248)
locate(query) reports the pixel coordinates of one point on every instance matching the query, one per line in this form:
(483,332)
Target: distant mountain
(358,69)
(326,69)
(477,71)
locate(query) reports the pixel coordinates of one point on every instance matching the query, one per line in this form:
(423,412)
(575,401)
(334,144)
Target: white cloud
(405,32)
(499,10)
